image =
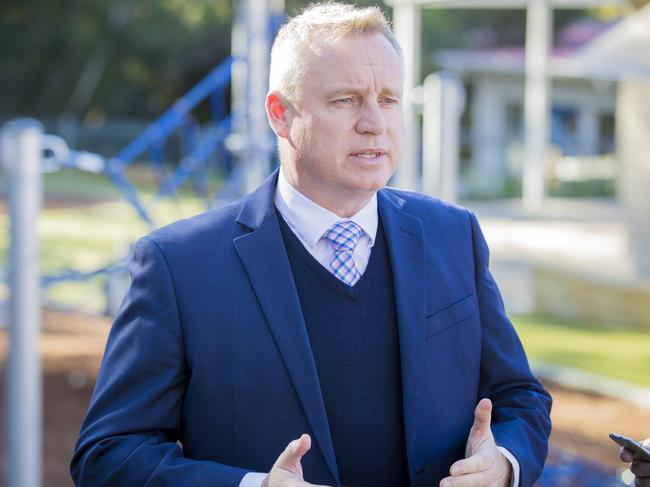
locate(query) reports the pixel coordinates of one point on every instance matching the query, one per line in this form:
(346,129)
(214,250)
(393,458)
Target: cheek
(300,135)
(328,134)
(396,124)
(396,133)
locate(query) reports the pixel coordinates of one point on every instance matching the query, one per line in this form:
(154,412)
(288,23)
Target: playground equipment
(242,134)
(26,152)
(23,393)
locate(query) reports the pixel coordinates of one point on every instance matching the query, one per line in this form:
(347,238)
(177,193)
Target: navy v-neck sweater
(354,339)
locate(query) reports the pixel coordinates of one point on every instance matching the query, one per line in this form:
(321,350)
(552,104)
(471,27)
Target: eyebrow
(356,90)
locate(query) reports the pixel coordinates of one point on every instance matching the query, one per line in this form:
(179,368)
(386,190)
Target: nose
(371,119)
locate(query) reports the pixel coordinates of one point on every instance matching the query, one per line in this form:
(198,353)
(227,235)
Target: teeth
(368,155)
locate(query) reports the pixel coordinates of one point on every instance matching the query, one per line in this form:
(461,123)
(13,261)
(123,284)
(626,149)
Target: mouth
(369,154)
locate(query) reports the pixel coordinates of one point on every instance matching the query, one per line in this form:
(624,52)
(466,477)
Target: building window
(564,130)
(606,133)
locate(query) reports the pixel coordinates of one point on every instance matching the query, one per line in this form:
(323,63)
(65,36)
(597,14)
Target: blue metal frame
(155,136)
(196,149)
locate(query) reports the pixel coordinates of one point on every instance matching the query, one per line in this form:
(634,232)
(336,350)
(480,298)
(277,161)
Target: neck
(344,209)
(342,205)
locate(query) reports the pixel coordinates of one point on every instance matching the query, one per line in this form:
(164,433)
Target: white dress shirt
(309,222)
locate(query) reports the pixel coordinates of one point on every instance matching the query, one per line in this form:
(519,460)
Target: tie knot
(343,236)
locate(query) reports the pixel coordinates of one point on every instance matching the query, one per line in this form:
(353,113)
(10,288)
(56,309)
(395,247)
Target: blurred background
(535,115)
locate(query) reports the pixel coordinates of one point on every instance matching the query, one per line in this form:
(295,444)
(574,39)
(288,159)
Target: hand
(287,470)
(640,468)
(484,465)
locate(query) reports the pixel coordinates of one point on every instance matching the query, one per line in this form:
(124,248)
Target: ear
(277,111)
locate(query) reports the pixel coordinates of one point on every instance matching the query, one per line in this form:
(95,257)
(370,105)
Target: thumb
(289,459)
(482,418)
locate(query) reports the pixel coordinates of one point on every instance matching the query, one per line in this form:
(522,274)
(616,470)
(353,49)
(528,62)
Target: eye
(389,101)
(345,100)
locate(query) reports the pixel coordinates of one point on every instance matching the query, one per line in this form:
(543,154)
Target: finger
(626,455)
(482,417)
(473,464)
(294,452)
(469,480)
(641,469)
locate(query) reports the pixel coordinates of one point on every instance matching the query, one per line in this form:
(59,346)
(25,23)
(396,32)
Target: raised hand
(484,465)
(640,468)
(287,470)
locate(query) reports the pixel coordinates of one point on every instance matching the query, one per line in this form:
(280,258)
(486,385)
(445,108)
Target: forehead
(355,60)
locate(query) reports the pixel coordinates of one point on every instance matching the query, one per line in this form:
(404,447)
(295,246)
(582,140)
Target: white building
(623,53)
(582,109)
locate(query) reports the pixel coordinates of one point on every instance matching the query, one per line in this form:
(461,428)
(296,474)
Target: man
(324,329)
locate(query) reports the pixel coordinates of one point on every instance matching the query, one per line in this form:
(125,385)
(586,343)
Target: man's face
(346,123)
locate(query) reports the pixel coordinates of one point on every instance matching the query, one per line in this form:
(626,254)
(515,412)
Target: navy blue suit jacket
(208,371)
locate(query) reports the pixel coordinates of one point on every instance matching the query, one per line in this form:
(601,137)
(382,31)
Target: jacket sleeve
(132,432)
(521,406)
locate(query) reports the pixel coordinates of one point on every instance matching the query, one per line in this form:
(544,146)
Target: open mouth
(368,155)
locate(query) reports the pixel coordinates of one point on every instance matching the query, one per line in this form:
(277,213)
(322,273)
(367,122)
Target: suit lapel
(265,259)
(406,249)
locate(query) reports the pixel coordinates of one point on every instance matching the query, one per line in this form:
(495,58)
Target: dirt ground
(72,345)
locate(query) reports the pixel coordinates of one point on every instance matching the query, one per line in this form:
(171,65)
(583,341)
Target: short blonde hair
(326,21)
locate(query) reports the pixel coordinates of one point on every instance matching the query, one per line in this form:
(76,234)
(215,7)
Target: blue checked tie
(343,237)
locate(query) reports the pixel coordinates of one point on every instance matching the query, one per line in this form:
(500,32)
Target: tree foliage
(115,57)
(106,58)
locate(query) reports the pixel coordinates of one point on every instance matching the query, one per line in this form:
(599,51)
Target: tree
(134,58)
(116,57)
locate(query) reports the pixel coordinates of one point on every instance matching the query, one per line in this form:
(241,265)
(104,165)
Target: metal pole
(407,22)
(239,70)
(259,54)
(444,103)
(539,25)
(21,149)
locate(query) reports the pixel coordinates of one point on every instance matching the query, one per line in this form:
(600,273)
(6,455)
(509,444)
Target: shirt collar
(311,220)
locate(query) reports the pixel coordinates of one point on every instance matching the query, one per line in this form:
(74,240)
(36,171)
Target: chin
(378,181)
(371,186)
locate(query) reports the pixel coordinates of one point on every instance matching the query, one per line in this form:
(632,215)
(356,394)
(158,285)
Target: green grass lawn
(93,232)
(71,183)
(610,351)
